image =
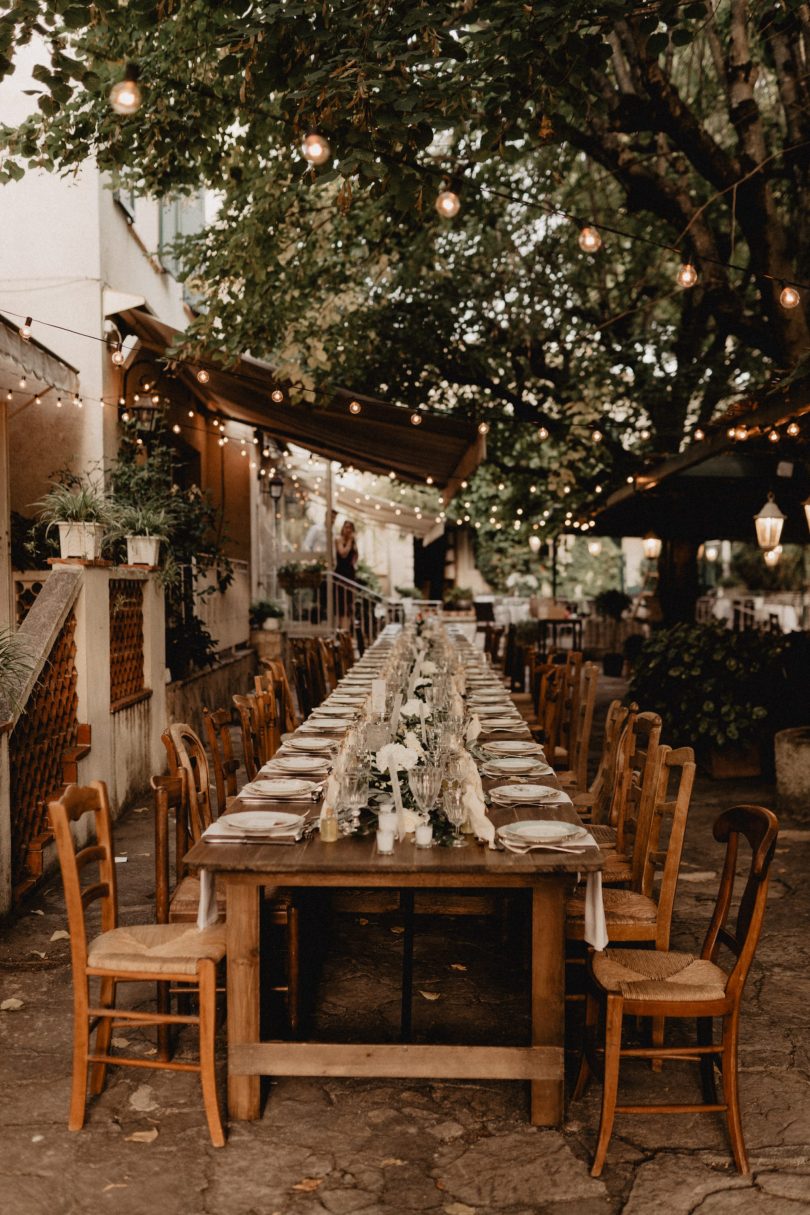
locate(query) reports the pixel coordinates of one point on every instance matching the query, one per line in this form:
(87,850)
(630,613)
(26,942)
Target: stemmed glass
(354,792)
(456,811)
(425,782)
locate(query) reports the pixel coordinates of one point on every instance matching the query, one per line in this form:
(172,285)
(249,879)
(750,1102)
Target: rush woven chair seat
(160,953)
(667,985)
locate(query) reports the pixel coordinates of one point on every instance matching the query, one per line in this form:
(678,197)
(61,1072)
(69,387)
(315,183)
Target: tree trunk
(678,587)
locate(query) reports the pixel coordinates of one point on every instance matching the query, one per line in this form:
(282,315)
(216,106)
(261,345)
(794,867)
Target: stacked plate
(312,765)
(510,795)
(513,746)
(333,710)
(537,832)
(326,725)
(256,826)
(517,765)
(304,742)
(277,789)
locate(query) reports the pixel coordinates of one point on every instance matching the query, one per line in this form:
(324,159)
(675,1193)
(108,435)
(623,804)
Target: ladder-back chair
(664,984)
(185,750)
(250,727)
(217,727)
(158,953)
(577,770)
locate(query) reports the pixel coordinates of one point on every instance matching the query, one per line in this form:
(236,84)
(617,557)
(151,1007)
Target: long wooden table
(354,862)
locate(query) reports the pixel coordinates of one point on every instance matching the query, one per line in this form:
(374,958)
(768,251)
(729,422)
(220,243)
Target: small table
(354,862)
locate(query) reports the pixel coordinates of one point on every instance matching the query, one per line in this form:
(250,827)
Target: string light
(793,429)
(118,356)
(416,419)
(789,297)
(277,396)
(23,381)
(176,428)
(448,204)
(202,376)
(687,276)
(25,329)
(589,240)
(355,407)
(483,428)
(594,547)
(316,149)
(774,436)
(700,435)
(125,96)
(542,434)
(597,436)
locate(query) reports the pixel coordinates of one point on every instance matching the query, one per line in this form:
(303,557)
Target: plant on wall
(16,665)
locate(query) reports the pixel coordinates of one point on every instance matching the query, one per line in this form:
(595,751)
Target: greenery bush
(457,595)
(713,687)
(265,609)
(74,499)
(612,604)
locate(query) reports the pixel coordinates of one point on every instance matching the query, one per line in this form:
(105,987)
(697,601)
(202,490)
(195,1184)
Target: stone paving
(384,1147)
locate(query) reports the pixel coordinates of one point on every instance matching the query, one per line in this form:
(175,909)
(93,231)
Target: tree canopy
(681,131)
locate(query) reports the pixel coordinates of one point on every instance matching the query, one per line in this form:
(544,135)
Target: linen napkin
(473,730)
(207,914)
(482,827)
(595,933)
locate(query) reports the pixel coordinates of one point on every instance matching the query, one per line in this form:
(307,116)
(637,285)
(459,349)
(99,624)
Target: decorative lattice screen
(43,733)
(126,641)
(26,590)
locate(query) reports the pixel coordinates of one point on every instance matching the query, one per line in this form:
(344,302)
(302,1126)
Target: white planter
(271,624)
(81,540)
(143,550)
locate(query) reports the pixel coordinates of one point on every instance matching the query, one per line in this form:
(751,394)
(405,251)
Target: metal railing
(332,602)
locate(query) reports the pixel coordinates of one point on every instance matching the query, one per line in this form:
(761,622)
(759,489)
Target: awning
(380,439)
(46,369)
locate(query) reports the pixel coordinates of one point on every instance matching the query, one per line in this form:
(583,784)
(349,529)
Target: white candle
(424,835)
(385,842)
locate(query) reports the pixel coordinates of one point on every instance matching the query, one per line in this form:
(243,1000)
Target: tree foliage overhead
(684,125)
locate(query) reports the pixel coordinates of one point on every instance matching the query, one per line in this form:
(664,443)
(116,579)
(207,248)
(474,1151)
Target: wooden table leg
(243,992)
(548,992)
(406,1012)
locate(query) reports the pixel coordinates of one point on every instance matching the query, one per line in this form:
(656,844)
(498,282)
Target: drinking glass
(455,811)
(425,782)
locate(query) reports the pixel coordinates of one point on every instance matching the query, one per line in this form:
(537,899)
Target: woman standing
(346,557)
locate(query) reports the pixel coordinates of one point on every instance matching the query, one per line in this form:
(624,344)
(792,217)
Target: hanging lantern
(126,96)
(772,556)
(652,546)
(534,543)
(769,523)
(595,547)
(316,149)
(589,240)
(711,550)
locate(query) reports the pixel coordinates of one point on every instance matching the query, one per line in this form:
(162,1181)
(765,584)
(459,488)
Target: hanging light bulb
(535,543)
(176,428)
(59,403)
(25,329)
(542,434)
(202,376)
(772,556)
(126,96)
(589,240)
(416,419)
(741,433)
(277,396)
(594,547)
(644,435)
(687,276)
(793,429)
(700,435)
(711,551)
(768,523)
(806,506)
(38,400)
(118,356)
(483,428)
(597,436)
(316,149)
(448,204)
(651,545)
(355,407)
(23,381)
(789,297)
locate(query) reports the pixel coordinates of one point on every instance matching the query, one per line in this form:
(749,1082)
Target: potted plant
(266,614)
(16,665)
(458,599)
(81,513)
(611,605)
(294,575)
(143,528)
(408,592)
(717,690)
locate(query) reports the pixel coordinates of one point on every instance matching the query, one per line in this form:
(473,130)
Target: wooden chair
(267,707)
(250,727)
(305,693)
(595,804)
(177,892)
(158,953)
(288,718)
(576,772)
(185,750)
(638,915)
(217,726)
(667,984)
(636,756)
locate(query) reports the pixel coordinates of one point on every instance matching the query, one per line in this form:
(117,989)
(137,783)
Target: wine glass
(425,782)
(456,811)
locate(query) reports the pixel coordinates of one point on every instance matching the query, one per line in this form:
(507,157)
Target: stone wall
(212,689)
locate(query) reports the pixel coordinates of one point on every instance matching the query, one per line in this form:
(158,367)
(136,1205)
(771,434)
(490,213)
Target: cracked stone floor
(383,1148)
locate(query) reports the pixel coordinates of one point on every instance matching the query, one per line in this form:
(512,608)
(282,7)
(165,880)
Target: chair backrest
(578,754)
(326,655)
(189,753)
(636,758)
(760,828)
(302,674)
(571,692)
(251,733)
(76,802)
(267,717)
(170,794)
(318,682)
(217,726)
(673,779)
(615,756)
(346,649)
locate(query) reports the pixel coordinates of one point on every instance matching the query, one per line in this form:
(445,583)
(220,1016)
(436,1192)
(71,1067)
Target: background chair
(159,953)
(217,729)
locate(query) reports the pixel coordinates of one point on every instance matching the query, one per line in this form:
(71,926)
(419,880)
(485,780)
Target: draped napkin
(596,933)
(473,800)
(473,730)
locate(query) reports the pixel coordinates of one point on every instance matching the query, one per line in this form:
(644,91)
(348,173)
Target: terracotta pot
(731,762)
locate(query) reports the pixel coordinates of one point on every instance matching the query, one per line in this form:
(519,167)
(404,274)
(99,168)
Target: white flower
(429,668)
(414,744)
(420,683)
(411,707)
(397,756)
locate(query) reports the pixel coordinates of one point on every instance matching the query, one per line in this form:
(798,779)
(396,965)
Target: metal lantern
(769,522)
(652,546)
(275,487)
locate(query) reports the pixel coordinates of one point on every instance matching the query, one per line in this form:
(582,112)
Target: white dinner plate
(499,723)
(260,822)
(513,746)
(528,793)
(327,723)
(277,786)
(541,831)
(302,743)
(517,766)
(331,710)
(300,763)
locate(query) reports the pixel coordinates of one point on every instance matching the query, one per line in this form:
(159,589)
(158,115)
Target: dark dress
(345,567)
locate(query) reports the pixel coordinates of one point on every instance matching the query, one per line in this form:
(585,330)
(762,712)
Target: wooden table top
(355,857)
